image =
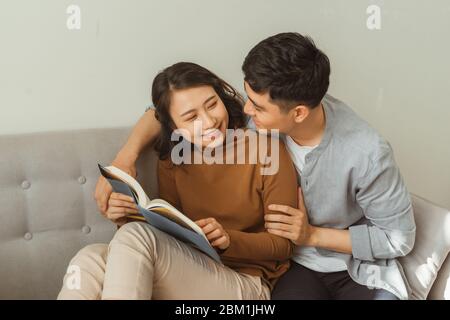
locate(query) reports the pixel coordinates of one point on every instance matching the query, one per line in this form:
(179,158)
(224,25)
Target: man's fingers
(279,226)
(279,218)
(283,208)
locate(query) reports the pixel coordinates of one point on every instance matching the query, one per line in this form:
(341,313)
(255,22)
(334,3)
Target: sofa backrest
(47,206)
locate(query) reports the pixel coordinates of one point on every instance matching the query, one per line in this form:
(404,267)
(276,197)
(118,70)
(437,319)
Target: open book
(157,212)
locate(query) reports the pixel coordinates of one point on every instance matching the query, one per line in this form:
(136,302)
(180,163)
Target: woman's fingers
(214,232)
(209,228)
(222,240)
(120,206)
(203,222)
(121,203)
(121,196)
(114,213)
(217,233)
(208,224)
(122,210)
(116,216)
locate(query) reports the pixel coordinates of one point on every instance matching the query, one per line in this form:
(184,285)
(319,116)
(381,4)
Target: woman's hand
(119,207)
(103,189)
(214,232)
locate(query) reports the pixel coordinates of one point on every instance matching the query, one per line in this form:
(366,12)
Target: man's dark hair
(290,68)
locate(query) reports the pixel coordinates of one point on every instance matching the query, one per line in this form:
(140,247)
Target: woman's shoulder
(165,164)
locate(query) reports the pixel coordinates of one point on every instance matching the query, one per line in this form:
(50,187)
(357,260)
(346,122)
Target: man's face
(266,114)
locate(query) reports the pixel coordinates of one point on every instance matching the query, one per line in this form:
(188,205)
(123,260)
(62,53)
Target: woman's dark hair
(184,75)
(290,68)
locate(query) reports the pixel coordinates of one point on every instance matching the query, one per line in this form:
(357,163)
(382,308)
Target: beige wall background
(52,78)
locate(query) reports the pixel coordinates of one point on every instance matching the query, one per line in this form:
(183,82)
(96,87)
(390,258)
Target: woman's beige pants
(142,262)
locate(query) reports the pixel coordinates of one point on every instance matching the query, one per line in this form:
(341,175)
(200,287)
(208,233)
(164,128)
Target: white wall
(396,78)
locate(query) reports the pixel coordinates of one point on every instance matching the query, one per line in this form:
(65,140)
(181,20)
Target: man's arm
(144,132)
(386,204)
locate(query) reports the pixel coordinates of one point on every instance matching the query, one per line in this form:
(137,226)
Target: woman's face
(200,115)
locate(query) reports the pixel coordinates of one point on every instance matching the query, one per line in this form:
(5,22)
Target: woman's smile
(211,134)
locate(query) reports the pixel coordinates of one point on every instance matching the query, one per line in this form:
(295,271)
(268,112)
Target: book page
(169,215)
(142,197)
(170,212)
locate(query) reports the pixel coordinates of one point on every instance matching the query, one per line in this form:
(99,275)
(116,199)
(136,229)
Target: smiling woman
(200,96)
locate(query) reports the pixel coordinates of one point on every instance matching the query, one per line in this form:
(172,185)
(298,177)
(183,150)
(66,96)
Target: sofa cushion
(431,247)
(441,287)
(48,211)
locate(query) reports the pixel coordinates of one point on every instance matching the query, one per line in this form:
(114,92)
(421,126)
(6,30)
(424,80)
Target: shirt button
(28,236)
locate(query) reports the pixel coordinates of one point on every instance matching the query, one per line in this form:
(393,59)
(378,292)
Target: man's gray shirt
(351,181)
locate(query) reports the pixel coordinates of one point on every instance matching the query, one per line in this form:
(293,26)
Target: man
(354,216)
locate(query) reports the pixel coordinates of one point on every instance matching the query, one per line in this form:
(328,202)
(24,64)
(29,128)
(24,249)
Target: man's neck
(311,130)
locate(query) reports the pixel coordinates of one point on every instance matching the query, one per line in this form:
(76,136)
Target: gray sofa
(48,212)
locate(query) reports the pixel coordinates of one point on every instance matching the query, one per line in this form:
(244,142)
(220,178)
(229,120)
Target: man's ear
(300,113)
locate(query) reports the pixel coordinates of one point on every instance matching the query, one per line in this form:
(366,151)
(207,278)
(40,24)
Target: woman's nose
(208,121)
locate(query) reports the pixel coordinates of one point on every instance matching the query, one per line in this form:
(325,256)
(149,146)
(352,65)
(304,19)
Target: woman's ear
(301,112)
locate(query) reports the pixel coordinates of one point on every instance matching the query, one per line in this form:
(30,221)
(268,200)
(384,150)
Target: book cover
(163,223)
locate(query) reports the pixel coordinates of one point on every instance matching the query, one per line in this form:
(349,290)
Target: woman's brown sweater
(237,196)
